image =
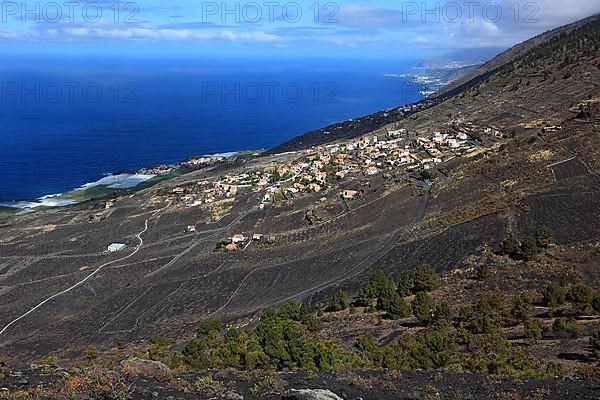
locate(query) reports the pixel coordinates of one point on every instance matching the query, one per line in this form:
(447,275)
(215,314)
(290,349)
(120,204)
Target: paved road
(216,233)
(355,271)
(90,276)
(168,265)
(367,262)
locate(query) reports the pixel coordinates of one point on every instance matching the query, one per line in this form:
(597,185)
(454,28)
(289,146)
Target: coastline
(108,185)
(134,180)
(100,189)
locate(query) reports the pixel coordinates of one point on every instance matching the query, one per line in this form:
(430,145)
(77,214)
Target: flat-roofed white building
(113,248)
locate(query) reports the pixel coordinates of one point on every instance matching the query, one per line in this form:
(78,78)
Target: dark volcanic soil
(347,385)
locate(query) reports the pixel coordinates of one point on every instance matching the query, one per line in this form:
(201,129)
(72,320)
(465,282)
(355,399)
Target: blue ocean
(66,122)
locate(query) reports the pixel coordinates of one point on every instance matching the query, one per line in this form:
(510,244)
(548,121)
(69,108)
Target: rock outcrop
(146,369)
(310,394)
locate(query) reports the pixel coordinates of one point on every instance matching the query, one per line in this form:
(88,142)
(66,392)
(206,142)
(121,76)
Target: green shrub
(427,175)
(367,346)
(91,353)
(423,308)
(483,273)
(554,370)
(406,284)
(208,386)
(489,354)
(398,308)
(159,349)
(339,301)
(196,354)
(554,295)
(425,279)
(529,248)
(430,349)
(488,315)
(434,349)
(284,338)
(120,343)
(544,237)
(208,326)
(533,328)
(426,311)
(581,295)
(511,246)
(522,307)
(373,288)
(566,326)
(387,295)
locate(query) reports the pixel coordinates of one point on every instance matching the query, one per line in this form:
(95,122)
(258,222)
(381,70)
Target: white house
(453,143)
(239,238)
(257,236)
(113,248)
(371,171)
(349,194)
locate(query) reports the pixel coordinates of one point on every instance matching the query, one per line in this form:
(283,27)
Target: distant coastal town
(347,168)
(313,170)
(428,81)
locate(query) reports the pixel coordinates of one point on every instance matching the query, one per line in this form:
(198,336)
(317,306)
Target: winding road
(90,276)
(356,270)
(216,233)
(352,273)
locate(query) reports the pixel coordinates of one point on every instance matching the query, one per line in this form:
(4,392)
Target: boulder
(310,394)
(146,369)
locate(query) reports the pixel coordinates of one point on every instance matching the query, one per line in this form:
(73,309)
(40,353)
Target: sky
(344,28)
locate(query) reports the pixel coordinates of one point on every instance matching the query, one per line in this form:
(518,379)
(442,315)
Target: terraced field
(571,168)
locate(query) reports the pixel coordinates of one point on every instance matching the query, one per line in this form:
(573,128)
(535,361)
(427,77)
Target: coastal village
(326,167)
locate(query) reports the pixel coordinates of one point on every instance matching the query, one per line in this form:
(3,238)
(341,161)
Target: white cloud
(115,32)
(420,39)
(359,25)
(8,35)
(560,12)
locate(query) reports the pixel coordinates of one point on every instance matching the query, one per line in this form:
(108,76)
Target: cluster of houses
(322,168)
(157,170)
(209,191)
(317,169)
(202,162)
(239,241)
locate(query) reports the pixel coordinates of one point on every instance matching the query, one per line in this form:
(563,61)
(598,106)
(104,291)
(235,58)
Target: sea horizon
(171,112)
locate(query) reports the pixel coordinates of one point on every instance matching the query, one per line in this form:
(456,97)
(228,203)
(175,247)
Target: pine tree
(339,301)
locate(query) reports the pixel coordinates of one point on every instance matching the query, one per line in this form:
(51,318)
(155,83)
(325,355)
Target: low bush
(566,326)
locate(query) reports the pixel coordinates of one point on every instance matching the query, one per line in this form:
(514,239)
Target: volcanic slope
(528,117)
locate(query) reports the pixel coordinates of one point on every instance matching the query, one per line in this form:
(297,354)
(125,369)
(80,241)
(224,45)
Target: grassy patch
(377,182)
(248,152)
(93,192)
(8,212)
